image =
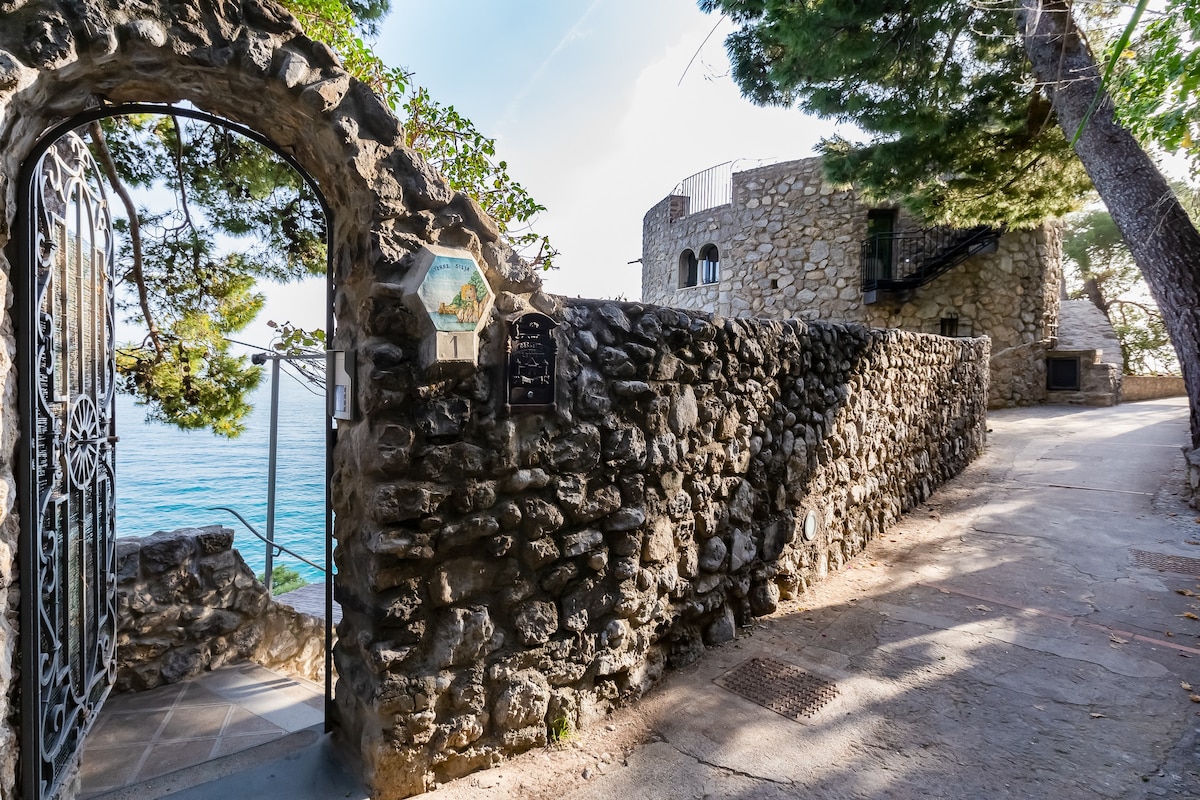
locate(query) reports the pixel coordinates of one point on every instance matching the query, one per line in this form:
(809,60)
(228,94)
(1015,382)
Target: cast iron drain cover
(1181,565)
(783,688)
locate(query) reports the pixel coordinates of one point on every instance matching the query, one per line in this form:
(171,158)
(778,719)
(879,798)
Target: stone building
(780,242)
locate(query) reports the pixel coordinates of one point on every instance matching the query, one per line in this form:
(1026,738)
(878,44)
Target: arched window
(688,269)
(710,263)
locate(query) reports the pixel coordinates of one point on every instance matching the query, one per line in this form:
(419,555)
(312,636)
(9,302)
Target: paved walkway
(145,735)
(1012,638)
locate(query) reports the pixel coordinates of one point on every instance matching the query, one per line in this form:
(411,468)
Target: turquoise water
(168,479)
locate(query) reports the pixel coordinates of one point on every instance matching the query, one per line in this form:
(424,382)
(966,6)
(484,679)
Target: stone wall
(187,602)
(507,571)
(1151,387)
(790,247)
(498,571)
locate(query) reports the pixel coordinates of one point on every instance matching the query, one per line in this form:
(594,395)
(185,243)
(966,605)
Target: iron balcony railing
(903,260)
(708,189)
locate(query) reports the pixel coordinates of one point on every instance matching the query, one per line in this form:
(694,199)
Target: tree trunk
(1164,242)
(1091,288)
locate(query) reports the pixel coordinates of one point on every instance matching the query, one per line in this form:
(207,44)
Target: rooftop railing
(713,187)
(708,189)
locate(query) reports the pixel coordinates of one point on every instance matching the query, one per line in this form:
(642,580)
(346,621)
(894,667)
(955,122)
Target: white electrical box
(339,383)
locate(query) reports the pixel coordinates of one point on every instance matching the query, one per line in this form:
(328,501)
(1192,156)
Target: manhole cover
(783,688)
(1166,563)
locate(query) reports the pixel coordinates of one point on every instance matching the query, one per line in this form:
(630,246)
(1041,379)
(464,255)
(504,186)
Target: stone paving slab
(143,735)
(310,599)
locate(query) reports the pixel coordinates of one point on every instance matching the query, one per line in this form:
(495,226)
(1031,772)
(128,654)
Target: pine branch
(183,195)
(1091,288)
(1150,311)
(135,233)
(948,55)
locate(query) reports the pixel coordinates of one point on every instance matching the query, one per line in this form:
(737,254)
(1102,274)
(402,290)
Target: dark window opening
(688,269)
(949,326)
(881,225)
(710,262)
(1062,374)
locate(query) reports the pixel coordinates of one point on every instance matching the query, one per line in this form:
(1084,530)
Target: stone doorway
(66,345)
(247,63)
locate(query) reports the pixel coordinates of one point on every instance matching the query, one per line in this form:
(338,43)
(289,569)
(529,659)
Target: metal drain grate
(783,688)
(1181,565)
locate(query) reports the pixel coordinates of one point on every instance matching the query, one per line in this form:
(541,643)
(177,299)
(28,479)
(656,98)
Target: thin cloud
(575,32)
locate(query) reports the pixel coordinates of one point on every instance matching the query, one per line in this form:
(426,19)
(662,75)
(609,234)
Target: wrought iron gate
(65,338)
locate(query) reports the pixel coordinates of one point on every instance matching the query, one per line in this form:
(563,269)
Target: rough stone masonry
(515,573)
(500,573)
(790,244)
(187,602)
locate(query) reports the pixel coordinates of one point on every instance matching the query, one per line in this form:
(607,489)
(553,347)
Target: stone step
(310,599)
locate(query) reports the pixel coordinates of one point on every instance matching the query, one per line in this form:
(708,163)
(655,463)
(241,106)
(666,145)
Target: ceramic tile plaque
(448,292)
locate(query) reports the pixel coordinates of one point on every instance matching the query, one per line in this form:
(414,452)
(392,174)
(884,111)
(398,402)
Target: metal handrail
(278,547)
(273,444)
(900,260)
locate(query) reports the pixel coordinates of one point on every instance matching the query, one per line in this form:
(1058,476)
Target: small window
(949,326)
(1062,374)
(688,269)
(710,264)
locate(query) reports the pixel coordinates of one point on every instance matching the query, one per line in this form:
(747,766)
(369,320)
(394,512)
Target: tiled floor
(142,735)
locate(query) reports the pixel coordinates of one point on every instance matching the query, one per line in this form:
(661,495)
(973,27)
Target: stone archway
(248,63)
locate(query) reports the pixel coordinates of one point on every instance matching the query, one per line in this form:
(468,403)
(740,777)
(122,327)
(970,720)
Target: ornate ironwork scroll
(68,582)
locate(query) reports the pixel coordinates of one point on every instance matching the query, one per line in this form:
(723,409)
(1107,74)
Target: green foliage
(560,730)
(190,272)
(292,341)
(243,215)
(449,141)
(283,580)
(1157,80)
(196,383)
(238,188)
(1100,268)
(959,130)
(342,26)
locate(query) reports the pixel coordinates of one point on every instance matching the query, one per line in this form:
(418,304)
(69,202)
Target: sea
(168,478)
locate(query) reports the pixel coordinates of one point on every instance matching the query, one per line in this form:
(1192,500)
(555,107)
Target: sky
(600,107)
(595,108)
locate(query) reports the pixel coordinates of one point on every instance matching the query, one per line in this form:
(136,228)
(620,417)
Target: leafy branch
(137,272)
(242,215)
(449,141)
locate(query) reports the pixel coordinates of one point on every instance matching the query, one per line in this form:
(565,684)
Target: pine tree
(959,130)
(1098,268)
(972,107)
